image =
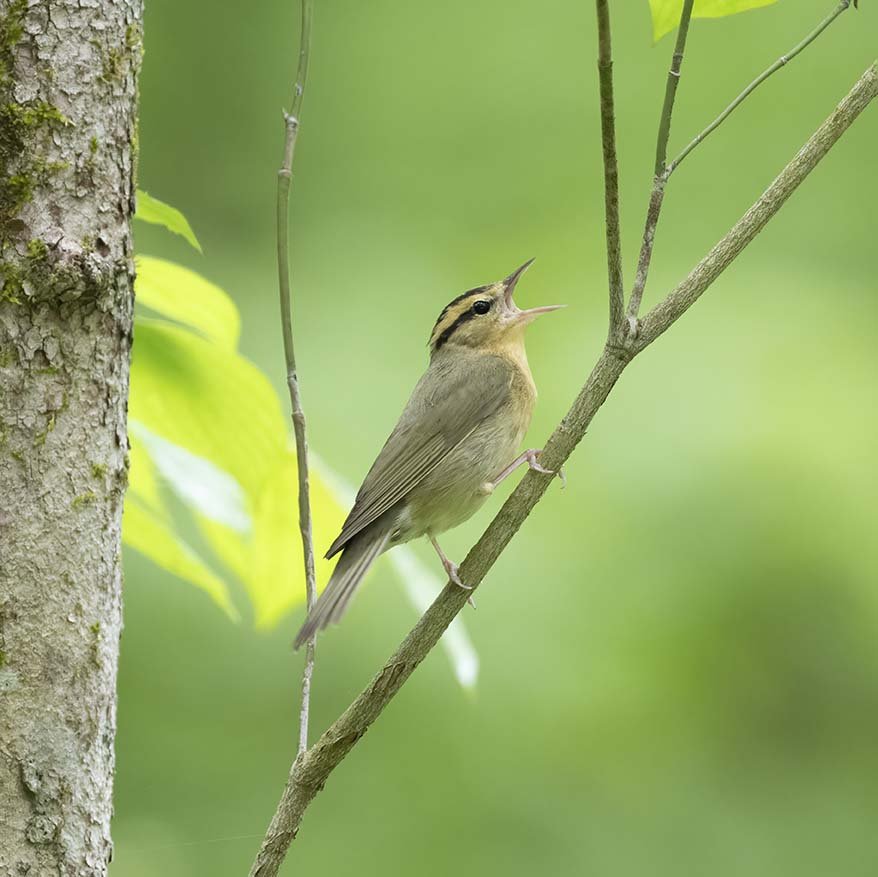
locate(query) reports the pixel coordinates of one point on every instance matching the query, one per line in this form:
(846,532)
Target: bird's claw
(532,458)
(454,576)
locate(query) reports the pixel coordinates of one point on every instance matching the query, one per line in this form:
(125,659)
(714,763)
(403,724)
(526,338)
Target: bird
(455,441)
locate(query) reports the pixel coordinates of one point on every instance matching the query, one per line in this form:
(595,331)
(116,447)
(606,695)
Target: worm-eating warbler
(453,443)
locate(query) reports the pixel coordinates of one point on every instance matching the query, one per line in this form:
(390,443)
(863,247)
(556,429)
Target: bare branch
(781,62)
(266,862)
(284,178)
(659,174)
(611,169)
(754,220)
(309,773)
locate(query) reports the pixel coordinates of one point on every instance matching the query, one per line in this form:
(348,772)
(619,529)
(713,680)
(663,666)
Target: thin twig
(611,169)
(781,62)
(664,315)
(309,774)
(659,172)
(284,177)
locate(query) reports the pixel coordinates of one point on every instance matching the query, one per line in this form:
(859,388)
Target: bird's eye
(481,307)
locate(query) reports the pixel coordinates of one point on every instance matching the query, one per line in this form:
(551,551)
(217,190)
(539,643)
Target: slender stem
(659,174)
(781,62)
(611,169)
(653,212)
(309,774)
(284,177)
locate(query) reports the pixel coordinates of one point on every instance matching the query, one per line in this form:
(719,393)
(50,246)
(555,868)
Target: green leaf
(148,527)
(213,428)
(207,399)
(276,580)
(186,297)
(198,483)
(156,212)
(270,564)
(666,13)
(155,538)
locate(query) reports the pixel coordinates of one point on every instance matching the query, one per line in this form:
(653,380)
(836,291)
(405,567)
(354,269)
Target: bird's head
(485,317)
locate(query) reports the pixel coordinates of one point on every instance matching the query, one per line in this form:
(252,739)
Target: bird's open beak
(509,287)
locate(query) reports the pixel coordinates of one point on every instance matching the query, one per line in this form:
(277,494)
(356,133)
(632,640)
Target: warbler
(453,444)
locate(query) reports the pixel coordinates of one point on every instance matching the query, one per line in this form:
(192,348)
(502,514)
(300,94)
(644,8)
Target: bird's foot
(532,457)
(451,570)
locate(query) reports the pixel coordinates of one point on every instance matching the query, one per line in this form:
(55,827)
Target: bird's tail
(359,554)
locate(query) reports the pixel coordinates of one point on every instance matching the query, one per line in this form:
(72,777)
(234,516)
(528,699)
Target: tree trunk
(68,94)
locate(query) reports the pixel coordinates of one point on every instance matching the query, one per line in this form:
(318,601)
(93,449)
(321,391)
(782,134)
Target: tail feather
(360,553)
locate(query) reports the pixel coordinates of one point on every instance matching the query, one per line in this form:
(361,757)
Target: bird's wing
(448,403)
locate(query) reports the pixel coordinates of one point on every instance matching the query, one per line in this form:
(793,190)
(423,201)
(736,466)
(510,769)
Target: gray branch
(611,169)
(660,177)
(284,180)
(309,773)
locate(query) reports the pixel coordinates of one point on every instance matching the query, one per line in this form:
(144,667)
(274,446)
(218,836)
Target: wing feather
(448,403)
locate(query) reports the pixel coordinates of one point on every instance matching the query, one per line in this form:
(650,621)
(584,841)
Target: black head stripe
(460,298)
(447,333)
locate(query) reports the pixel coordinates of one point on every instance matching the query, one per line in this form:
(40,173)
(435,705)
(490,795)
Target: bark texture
(68,89)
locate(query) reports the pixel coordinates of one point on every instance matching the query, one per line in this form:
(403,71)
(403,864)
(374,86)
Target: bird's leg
(531,457)
(451,570)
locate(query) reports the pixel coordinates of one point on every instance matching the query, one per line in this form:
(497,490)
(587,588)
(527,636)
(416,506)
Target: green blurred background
(679,652)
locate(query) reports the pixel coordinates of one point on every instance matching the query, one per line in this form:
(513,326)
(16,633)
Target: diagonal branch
(659,174)
(611,169)
(781,62)
(284,179)
(309,773)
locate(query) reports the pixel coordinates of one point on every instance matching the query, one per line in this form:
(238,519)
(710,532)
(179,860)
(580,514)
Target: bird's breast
(454,490)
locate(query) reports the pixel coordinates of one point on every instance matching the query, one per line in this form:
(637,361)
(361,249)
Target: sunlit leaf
(198,483)
(142,478)
(207,399)
(274,578)
(147,527)
(666,13)
(212,423)
(186,297)
(156,212)
(155,538)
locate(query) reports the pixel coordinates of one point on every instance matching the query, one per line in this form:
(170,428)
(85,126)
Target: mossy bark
(68,95)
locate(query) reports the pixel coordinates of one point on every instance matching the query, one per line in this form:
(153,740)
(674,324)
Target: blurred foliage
(207,426)
(679,666)
(666,13)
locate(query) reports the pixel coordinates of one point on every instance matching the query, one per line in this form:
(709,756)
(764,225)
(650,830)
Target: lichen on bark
(68,86)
